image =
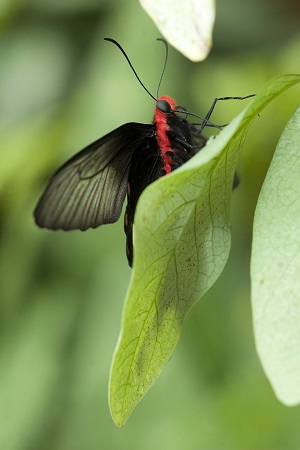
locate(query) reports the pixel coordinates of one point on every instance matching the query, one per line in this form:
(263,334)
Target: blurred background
(61,87)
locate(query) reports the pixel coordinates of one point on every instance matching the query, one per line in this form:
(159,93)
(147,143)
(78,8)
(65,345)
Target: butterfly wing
(89,189)
(183,132)
(146,167)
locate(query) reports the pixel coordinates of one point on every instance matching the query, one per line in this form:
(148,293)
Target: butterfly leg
(207,117)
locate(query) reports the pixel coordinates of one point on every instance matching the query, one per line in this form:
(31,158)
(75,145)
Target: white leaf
(186,24)
(275,268)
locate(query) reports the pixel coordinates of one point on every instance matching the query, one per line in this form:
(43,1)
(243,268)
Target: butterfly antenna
(165,63)
(129,62)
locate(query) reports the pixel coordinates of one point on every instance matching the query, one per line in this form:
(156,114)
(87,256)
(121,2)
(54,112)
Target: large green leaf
(275,268)
(182,242)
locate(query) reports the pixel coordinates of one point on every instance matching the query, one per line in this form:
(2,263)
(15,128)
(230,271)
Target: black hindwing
(146,167)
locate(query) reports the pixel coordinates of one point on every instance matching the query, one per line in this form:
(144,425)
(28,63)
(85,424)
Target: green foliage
(182,242)
(61,294)
(275,267)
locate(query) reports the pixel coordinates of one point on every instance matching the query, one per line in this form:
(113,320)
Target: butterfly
(89,189)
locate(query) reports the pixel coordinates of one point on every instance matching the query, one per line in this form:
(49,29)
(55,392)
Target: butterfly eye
(163,106)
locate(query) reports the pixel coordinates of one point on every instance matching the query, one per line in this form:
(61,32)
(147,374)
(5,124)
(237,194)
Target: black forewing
(89,189)
(184,139)
(198,141)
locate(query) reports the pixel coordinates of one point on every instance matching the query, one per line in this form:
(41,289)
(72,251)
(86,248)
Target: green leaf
(182,242)
(275,268)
